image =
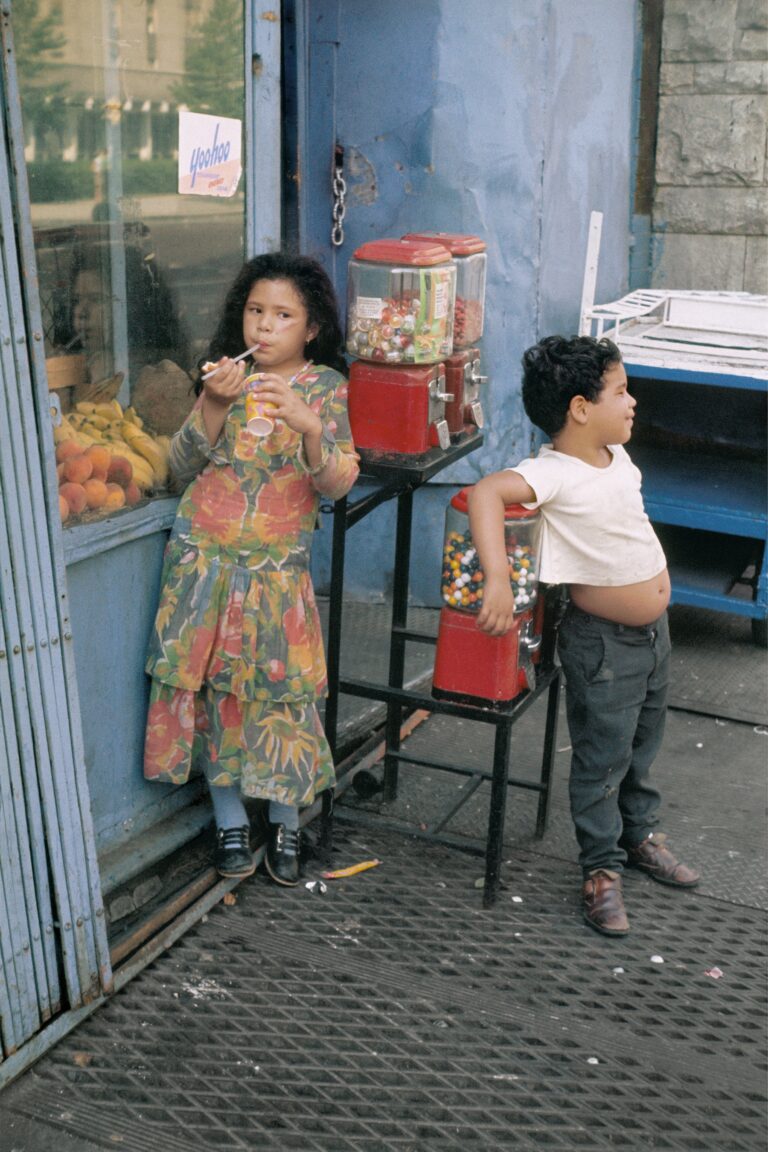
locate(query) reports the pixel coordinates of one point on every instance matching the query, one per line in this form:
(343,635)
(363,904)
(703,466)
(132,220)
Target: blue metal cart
(697,363)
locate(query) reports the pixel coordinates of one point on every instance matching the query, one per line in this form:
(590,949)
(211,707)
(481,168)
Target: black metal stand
(399,482)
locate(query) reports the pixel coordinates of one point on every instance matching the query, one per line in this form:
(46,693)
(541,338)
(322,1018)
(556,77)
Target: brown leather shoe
(653,856)
(604,903)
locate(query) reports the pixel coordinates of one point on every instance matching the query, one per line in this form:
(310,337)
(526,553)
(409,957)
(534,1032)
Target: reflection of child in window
(153,329)
(92,321)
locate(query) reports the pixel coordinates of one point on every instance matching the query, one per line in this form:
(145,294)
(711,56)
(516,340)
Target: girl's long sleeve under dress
(236,655)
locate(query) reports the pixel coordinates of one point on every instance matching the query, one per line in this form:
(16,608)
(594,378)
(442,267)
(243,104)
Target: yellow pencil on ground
(342,873)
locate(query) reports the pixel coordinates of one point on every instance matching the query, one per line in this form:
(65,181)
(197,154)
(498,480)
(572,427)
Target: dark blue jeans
(616,680)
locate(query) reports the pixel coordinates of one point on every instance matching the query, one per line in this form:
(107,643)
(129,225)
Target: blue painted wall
(509,120)
(113,597)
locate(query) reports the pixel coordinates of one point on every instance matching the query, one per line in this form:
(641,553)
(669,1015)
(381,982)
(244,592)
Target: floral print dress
(236,655)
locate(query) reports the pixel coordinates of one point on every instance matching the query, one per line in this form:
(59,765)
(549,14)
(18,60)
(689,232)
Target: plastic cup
(259,422)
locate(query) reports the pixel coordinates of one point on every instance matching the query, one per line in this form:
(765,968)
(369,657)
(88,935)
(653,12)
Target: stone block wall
(710,213)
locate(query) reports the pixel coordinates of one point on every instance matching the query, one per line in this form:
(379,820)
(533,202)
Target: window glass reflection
(131,274)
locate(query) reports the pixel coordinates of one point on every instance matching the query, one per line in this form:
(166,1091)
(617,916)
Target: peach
(132,493)
(101,458)
(75,496)
(66,449)
(116,496)
(60,473)
(78,469)
(120,471)
(95,492)
(63,508)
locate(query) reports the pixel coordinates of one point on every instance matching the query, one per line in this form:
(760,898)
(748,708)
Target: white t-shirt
(595,529)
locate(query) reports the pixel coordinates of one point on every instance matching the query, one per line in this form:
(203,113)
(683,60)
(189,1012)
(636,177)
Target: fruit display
(106,459)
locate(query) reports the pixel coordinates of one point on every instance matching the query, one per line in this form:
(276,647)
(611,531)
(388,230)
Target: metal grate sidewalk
(394,1013)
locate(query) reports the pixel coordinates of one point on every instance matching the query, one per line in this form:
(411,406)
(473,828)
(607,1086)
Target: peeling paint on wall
(361,181)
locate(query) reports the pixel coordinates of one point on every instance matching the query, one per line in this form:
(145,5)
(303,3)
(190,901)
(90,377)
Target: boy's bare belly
(631,604)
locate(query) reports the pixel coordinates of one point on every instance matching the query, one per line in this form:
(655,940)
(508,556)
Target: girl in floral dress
(236,655)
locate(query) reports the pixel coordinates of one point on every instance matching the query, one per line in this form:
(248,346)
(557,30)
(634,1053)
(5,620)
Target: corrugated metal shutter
(53,948)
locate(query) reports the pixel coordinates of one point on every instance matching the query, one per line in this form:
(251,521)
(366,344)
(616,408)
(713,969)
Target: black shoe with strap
(282,856)
(233,854)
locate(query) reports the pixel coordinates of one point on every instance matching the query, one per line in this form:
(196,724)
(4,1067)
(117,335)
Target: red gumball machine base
(475,668)
(398,409)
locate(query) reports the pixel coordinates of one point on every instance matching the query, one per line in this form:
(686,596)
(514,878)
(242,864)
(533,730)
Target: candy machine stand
(400,482)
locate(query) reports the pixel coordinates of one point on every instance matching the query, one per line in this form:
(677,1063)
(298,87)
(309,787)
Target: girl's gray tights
(284,814)
(229,810)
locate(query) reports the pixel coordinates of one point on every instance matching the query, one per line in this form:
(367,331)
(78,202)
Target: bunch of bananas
(123,433)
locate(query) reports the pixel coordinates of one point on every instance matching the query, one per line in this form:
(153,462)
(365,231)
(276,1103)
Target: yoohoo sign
(210,149)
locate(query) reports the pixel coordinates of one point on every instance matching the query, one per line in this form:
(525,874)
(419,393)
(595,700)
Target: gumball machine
(470,665)
(400,307)
(398,412)
(464,412)
(469,255)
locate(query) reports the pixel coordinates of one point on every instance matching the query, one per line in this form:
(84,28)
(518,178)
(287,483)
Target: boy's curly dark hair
(557,369)
(313,285)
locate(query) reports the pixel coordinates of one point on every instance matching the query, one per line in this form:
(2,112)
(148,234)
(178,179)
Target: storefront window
(131,273)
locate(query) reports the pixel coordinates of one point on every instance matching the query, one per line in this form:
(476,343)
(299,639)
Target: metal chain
(339,194)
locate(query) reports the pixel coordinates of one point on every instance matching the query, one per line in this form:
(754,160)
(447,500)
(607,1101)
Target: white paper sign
(209,154)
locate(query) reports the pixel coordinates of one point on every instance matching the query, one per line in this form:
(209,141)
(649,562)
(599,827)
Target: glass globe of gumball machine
(400,304)
(471,665)
(464,413)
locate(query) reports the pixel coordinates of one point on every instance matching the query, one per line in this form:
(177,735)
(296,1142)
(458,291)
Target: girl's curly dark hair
(313,285)
(557,369)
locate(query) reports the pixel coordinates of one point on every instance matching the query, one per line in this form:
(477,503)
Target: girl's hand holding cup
(274,399)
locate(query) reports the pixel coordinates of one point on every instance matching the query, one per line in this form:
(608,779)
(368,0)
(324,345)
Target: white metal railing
(720,328)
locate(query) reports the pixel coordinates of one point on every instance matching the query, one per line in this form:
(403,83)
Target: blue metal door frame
(54,950)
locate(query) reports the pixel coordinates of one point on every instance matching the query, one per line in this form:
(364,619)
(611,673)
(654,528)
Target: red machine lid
(511,511)
(455,242)
(418,252)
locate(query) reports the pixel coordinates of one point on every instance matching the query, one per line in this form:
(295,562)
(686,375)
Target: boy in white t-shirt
(613,640)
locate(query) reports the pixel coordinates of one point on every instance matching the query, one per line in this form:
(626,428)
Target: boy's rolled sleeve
(542,475)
